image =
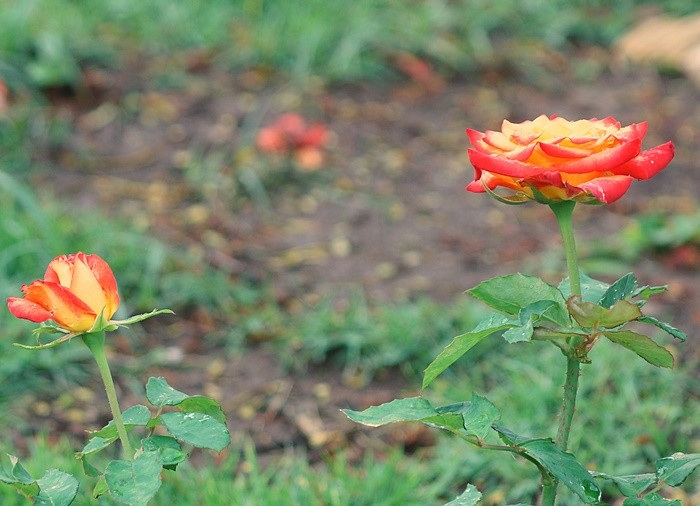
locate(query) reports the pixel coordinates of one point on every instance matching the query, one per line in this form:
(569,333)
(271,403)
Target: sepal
(100,325)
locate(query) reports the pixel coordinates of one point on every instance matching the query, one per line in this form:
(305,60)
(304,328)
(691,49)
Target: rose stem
(96,342)
(564,212)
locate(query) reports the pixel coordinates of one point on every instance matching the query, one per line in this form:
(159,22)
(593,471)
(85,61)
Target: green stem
(564,213)
(96,342)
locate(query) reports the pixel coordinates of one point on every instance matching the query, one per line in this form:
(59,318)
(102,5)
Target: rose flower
(551,159)
(75,290)
(290,135)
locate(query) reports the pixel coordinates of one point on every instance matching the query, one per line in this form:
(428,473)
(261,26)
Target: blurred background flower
(290,135)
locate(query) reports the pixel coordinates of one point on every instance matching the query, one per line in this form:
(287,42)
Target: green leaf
(140,317)
(450,418)
(630,485)
(564,466)
(531,315)
(88,468)
(666,327)
(134,482)
(17,473)
(558,463)
(651,500)
(206,405)
(619,290)
(545,310)
(595,316)
(138,415)
(410,409)
(519,334)
(470,497)
(168,449)
(100,488)
(462,344)
(647,291)
(675,469)
(197,429)
(159,393)
(56,488)
(508,436)
(19,477)
(479,414)
(95,445)
(642,346)
(512,293)
(592,290)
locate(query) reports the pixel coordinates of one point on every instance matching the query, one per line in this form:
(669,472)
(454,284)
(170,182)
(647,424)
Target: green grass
(365,337)
(241,479)
(46,43)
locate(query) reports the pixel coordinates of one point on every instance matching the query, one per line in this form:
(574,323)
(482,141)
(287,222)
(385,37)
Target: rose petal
(65,308)
(608,189)
(499,141)
(525,139)
(314,136)
(648,163)
(108,283)
(500,164)
(474,135)
(85,286)
(60,270)
(602,161)
(581,140)
(476,187)
(27,310)
(561,151)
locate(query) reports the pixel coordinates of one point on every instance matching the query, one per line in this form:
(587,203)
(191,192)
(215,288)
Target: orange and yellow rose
(75,290)
(551,159)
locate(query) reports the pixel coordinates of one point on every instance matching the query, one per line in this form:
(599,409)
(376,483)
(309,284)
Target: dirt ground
(387,211)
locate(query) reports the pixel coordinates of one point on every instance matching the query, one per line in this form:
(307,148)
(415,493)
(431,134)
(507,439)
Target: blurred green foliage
(44,42)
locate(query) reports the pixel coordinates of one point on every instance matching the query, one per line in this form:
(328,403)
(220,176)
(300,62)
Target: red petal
(474,136)
(499,164)
(609,121)
(271,140)
(608,189)
(547,179)
(476,187)
(314,136)
(607,160)
(27,310)
(648,163)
